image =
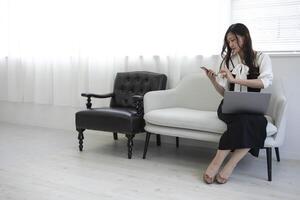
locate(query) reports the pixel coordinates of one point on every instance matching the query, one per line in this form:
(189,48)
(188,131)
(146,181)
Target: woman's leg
(236,156)
(215,165)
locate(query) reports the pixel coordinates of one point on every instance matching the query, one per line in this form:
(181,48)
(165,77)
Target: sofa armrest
(278,110)
(279,117)
(159,99)
(280,104)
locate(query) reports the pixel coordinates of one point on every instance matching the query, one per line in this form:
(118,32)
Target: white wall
(288,68)
(62,117)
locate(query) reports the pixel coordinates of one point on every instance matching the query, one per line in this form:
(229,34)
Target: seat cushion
(121,120)
(193,119)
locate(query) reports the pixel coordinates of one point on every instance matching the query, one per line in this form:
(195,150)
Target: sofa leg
(269,162)
(80,138)
(177,142)
(130,144)
(158,142)
(146,144)
(115,136)
(277,153)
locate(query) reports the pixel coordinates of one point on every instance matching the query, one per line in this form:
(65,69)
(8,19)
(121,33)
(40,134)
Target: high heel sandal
(208,179)
(220,179)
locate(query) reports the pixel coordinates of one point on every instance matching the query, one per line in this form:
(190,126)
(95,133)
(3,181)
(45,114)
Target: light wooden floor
(38,163)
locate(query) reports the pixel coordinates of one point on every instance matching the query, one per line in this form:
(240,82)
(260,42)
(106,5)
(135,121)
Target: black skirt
(243,131)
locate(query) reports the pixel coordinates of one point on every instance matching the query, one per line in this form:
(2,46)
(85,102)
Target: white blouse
(241,71)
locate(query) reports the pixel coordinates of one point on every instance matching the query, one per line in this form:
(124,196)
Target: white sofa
(189,111)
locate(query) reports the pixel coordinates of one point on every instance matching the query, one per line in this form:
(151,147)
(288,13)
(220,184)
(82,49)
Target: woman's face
(235,42)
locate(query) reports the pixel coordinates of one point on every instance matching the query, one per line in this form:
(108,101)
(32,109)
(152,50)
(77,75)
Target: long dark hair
(249,54)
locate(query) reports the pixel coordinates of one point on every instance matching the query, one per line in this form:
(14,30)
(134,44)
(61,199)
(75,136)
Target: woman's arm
(265,70)
(253,83)
(219,88)
(264,79)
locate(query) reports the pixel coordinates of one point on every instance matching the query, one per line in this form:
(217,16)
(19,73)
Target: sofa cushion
(194,120)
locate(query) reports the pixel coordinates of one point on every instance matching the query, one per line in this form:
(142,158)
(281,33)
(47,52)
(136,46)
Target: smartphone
(204,68)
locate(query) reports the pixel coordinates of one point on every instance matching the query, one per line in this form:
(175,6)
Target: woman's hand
(227,74)
(211,75)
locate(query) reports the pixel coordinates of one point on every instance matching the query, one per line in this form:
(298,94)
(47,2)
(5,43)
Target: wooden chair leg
(277,153)
(80,138)
(115,136)
(177,142)
(269,162)
(130,144)
(146,144)
(158,141)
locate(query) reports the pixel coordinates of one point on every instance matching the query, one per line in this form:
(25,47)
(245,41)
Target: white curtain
(52,50)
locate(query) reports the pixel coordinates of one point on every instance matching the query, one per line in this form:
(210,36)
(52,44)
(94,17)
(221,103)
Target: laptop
(245,102)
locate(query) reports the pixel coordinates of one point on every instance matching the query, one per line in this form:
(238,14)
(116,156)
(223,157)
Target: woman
(242,69)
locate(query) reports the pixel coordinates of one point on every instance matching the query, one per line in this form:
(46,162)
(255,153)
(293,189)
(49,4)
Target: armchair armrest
(137,98)
(89,95)
(160,99)
(138,101)
(97,95)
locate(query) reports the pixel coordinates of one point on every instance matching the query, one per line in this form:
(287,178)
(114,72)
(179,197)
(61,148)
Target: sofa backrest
(197,92)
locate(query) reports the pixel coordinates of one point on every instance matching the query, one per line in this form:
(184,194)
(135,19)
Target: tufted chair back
(128,84)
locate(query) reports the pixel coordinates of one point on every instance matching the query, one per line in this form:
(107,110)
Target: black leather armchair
(125,113)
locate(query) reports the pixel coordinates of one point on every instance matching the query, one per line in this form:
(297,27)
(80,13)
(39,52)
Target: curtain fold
(62,82)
